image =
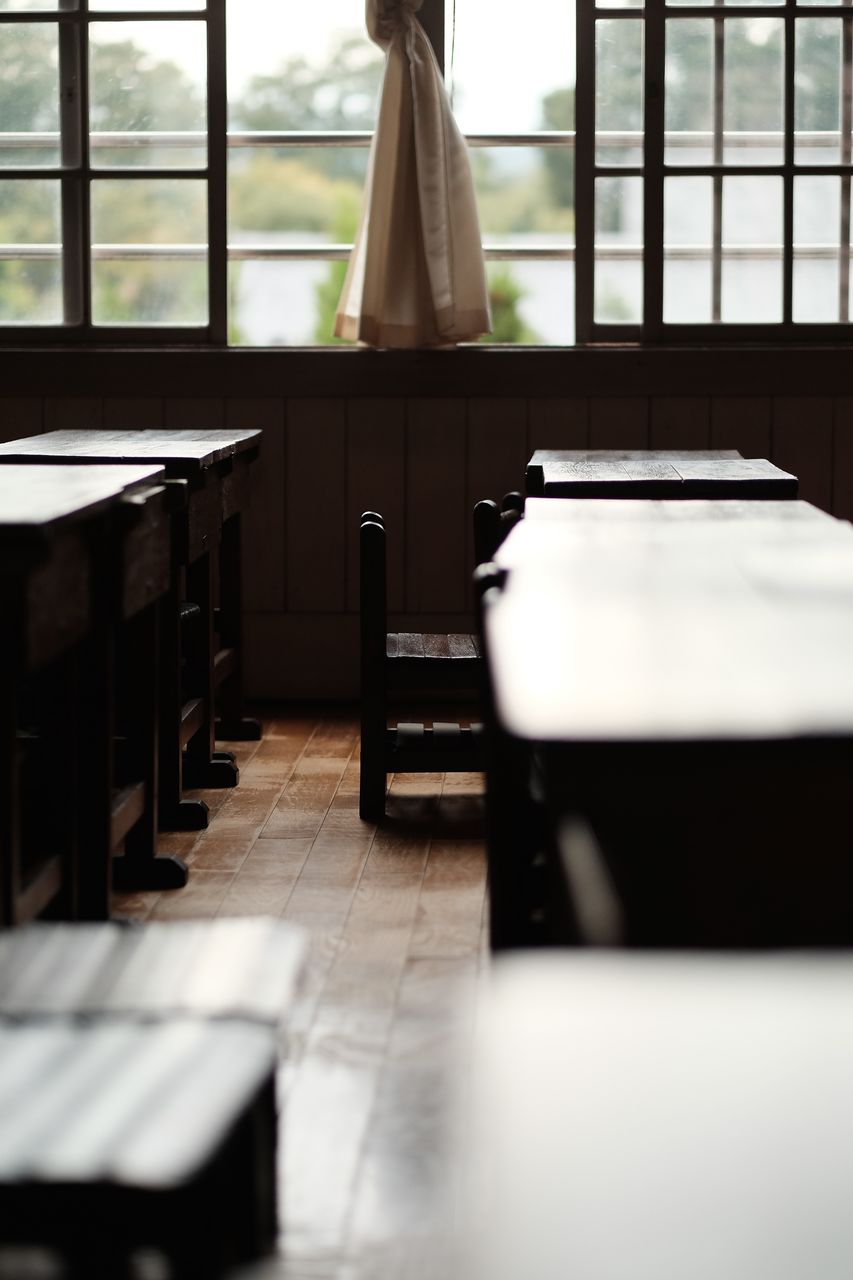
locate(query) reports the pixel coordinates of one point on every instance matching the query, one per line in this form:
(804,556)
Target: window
(691,181)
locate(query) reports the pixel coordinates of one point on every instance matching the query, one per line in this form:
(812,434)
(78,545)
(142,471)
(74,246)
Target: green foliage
(279,191)
(505,293)
(328,291)
(558,112)
(339,94)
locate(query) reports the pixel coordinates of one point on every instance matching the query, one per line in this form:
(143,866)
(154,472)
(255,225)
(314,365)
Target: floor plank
(395,916)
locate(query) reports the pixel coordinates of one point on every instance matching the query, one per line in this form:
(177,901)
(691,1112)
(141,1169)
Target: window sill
(601,370)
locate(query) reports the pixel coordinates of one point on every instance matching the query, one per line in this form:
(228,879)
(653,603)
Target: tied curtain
(416,275)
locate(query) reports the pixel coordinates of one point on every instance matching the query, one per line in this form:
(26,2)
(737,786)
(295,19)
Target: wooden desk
(681,1117)
(681,673)
(61,536)
(654,473)
(214,465)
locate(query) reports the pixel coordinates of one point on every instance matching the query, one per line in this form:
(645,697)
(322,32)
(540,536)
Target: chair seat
(453,647)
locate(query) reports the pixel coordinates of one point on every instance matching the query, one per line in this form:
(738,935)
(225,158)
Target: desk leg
(94,783)
(140,868)
(232,725)
(10,792)
(203,765)
(174,813)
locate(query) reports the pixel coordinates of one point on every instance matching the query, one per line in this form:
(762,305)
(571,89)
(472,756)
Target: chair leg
(371,792)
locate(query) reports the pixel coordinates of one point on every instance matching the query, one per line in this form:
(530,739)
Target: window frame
(76,173)
(653,330)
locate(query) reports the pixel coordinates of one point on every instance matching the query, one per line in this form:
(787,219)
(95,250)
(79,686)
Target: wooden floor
(395,915)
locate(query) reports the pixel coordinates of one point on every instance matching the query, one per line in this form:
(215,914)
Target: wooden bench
(213,467)
(120,1135)
(137,1090)
(677,1117)
(69,575)
(654,473)
(678,675)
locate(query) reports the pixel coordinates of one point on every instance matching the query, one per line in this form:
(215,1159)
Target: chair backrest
(492,523)
(373,589)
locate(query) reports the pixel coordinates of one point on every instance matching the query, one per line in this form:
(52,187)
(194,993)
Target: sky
(502,66)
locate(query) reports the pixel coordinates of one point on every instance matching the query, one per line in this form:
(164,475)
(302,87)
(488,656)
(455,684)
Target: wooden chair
(396,662)
(492,523)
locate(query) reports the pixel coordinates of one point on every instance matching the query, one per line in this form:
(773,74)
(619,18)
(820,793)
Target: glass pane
(9,6)
(618,250)
(532,303)
(166,6)
(29,94)
(30,252)
(295,195)
(293,66)
(525,195)
(283,303)
(817,101)
(689,104)
(752,108)
(817,224)
(618,92)
(687,250)
(673,4)
(538,53)
(752,250)
(132,281)
(147,93)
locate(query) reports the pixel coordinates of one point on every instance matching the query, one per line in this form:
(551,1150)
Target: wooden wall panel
(842,461)
(802,443)
(130,413)
(437,518)
(619,422)
(376,481)
(497,456)
(301,656)
(186,413)
(497,447)
(75,414)
(315,505)
(20,418)
(263,523)
(680,422)
(557,424)
(744,423)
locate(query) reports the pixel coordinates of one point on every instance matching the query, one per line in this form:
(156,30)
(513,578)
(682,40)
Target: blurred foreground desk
(679,675)
(655,473)
(670,1118)
(214,466)
(66,543)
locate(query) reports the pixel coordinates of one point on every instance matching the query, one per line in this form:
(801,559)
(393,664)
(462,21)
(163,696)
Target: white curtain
(416,276)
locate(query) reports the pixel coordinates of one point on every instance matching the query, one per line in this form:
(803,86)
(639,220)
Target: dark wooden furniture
(68,572)
(678,675)
(122,1135)
(403,662)
(654,473)
(240,967)
(213,466)
(138,1090)
(492,523)
(668,1116)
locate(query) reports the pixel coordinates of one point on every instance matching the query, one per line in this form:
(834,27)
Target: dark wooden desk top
(182,453)
(660,621)
(680,1117)
(654,474)
(35,501)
